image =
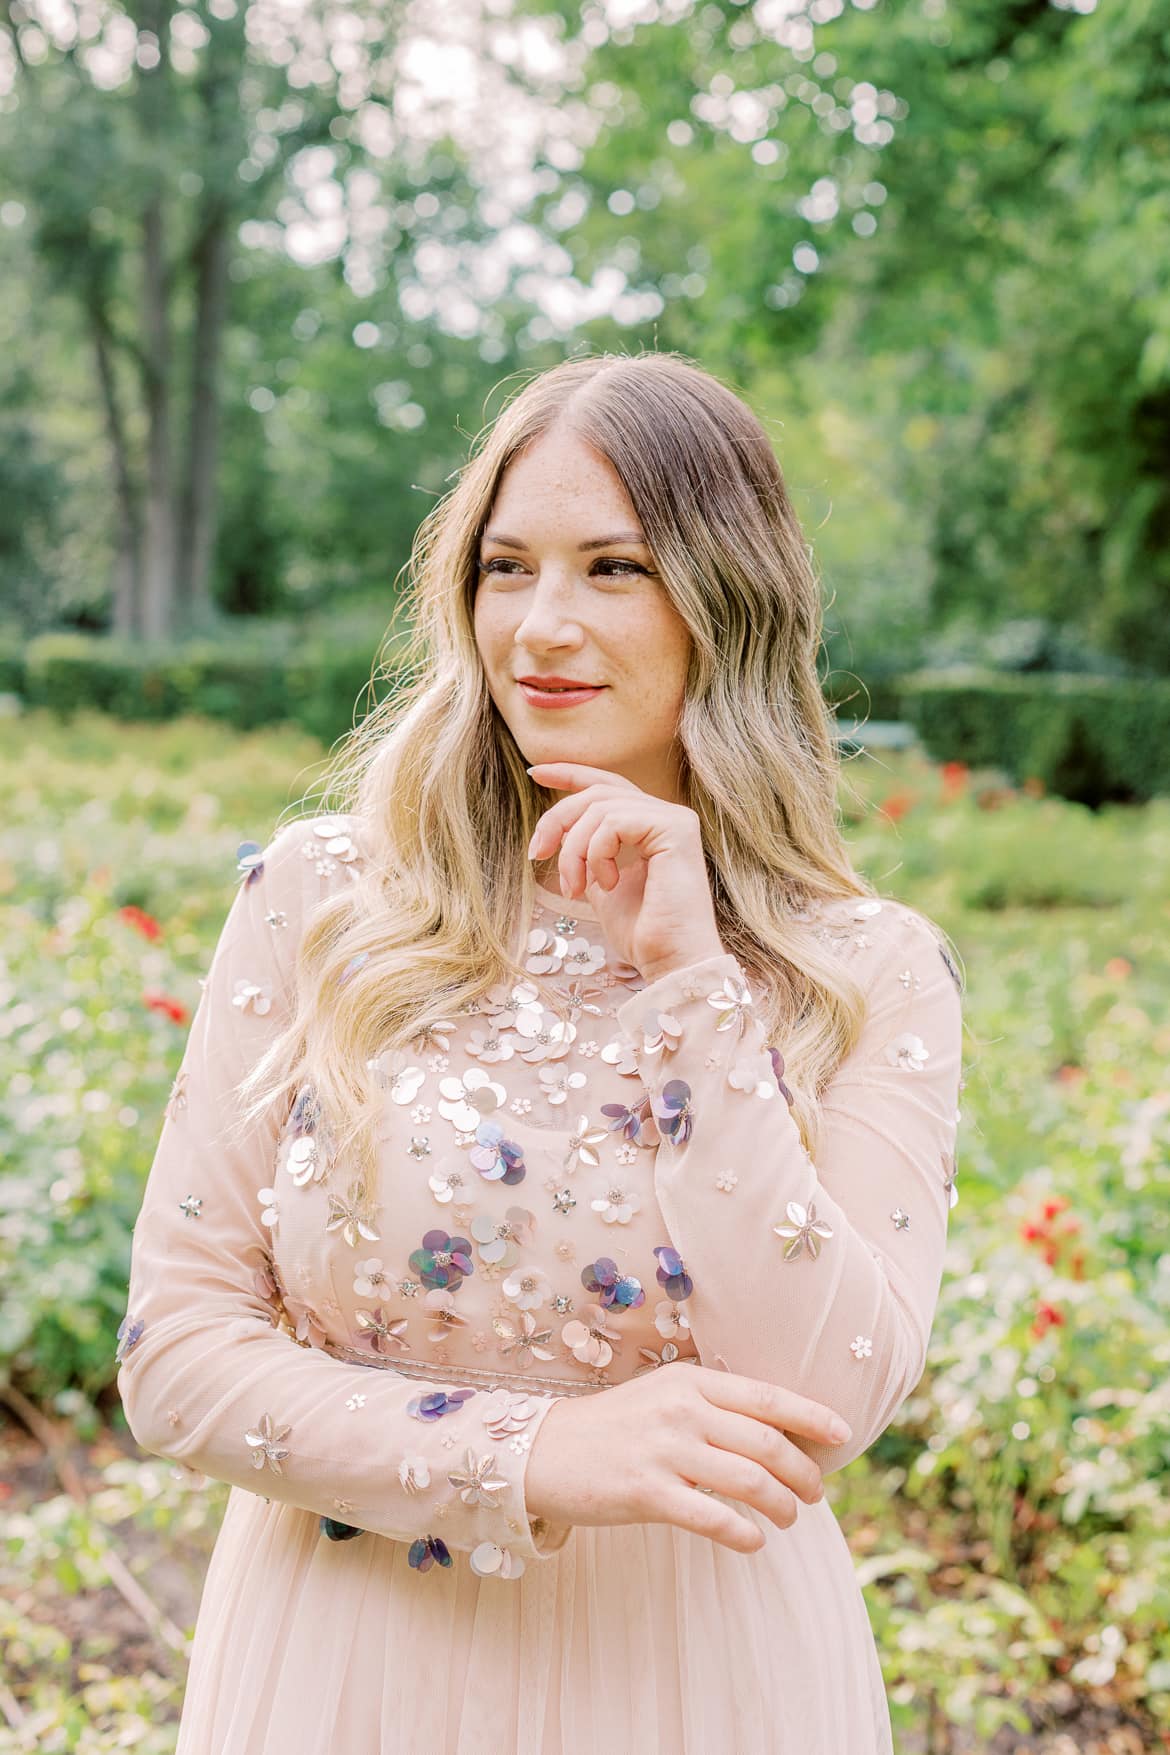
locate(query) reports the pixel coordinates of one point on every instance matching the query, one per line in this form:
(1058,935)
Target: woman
(593,1190)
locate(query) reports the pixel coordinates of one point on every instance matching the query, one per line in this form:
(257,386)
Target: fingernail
(839,1432)
(531,845)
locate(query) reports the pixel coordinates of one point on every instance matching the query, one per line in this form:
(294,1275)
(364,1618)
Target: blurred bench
(878,734)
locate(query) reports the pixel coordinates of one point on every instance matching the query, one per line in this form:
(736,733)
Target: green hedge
(1088,738)
(317,689)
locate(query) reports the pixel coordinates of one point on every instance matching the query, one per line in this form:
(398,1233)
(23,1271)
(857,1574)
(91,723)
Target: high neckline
(574,907)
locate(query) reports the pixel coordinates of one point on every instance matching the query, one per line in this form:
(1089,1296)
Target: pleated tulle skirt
(632,1640)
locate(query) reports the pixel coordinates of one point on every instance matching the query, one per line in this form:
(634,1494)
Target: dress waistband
(468,1376)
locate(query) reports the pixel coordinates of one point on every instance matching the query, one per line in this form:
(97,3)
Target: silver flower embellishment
(177,1100)
(952,1192)
(266,1445)
(582,1145)
(805,1229)
(346,1216)
(732,1002)
(477,1482)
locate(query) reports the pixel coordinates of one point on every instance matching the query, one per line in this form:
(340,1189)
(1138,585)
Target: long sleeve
(209,1377)
(822,1278)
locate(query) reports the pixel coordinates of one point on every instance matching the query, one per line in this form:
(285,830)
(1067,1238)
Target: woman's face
(568,588)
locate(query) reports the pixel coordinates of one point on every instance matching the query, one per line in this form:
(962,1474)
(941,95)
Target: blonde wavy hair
(444,809)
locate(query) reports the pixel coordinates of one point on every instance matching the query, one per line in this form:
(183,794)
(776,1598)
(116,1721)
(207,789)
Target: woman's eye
(625,568)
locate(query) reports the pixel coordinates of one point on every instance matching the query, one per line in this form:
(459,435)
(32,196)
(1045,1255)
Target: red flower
(1056,1205)
(174,1009)
(954,780)
(897,804)
(142,922)
(1047,1316)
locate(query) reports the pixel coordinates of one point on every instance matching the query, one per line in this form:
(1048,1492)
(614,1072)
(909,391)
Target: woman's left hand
(657,911)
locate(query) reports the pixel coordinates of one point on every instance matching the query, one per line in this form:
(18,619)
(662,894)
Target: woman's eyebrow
(629,536)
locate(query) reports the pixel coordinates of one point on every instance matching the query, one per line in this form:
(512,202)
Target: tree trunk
(199,513)
(127,617)
(158,546)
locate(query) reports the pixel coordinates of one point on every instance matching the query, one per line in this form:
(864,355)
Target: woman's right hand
(639,1452)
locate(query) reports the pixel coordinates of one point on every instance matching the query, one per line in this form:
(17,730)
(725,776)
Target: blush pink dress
(560,1208)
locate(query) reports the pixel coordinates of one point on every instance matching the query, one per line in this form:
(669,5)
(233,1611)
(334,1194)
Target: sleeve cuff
(667,991)
(541,1538)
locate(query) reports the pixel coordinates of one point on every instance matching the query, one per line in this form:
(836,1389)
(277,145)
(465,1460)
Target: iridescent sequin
(130,1331)
(428,1551)
(672,1111)
(671,1274)
(604,1277)
(496,1158)
(778,1074)
(250,860)
(443,1260)
(339,1532)
(438,1403)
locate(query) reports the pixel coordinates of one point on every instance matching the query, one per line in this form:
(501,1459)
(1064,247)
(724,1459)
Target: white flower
(527,1287)
(247,993)
(670,1319)
(726,1180)
(468,1100)
(558,1081)
(754,1074)
(861,1346)
(414,1473)
(369,1278)
(908,1050)
(445,1184)
(616,1205)
(303,1162)
(356,1401)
